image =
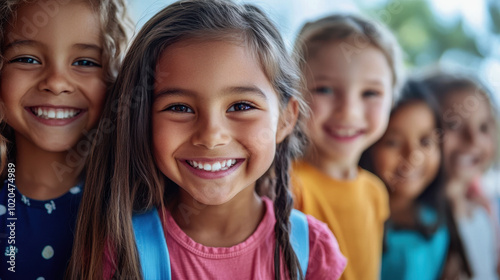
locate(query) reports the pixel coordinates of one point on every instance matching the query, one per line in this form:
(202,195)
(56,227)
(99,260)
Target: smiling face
(52,80)
(407,157)
(469,138)
(215,119)
(350,101)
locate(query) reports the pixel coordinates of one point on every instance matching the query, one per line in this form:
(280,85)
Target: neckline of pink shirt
(265,227)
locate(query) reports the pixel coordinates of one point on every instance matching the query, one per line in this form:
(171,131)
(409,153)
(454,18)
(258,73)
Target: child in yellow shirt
(352,69)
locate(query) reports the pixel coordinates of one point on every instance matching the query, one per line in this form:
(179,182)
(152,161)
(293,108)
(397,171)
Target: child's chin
(56,147)
(215,202)
(212,200)
(466,174)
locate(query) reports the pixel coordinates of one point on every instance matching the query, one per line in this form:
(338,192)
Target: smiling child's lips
(212,165)
(343,134)
(212,168)
(467,160)
(55,115)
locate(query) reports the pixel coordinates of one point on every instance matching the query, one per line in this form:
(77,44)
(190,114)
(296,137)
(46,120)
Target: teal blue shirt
(409,255)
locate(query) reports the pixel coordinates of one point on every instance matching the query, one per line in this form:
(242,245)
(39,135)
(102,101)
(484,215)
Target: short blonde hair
(315,34)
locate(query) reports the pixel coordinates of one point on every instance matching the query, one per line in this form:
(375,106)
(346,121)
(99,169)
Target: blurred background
(459,34)
(454,34)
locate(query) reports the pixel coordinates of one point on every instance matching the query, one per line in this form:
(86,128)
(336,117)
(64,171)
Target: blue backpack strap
(299,238)
(151,245)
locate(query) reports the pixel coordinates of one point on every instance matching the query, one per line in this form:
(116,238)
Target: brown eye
(370,93)
(240,107)
(426,142)
(484,128)
(86,62)
(25,59)
(323,90)
(179,108)
(391,143)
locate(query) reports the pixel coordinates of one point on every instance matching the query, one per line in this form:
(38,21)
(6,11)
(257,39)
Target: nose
(410,159)
(347,107)
(406,151)
(56,81)
(211,132)
(469,135)
(413,153)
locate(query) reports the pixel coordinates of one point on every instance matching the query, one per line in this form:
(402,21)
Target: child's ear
(288,119)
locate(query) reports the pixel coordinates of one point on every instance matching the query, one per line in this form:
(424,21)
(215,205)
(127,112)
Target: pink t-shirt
(253,258)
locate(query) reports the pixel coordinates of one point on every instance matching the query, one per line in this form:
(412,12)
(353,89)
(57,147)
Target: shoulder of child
(374,184)
(378,192)
(325,259)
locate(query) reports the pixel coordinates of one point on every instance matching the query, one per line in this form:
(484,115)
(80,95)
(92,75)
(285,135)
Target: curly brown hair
(116,27)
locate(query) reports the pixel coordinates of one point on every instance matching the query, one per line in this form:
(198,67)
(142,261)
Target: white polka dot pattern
(48,252)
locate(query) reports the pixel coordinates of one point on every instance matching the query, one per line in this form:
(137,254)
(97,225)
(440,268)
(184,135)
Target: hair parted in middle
(122,176)
(415,91)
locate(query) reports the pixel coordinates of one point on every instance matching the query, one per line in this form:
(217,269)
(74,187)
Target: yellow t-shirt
(354,210)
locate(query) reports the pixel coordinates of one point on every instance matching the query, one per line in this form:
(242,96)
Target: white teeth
(207,167)
(58,114)
(346,132)
(216,166)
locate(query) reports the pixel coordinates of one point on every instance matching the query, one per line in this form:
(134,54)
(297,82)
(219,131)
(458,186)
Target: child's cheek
(95,93)
(378,118)
(261,136)
(490,150)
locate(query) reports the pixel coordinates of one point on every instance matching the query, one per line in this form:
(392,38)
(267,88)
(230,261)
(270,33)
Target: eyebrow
(325,77)
(246,89)
(88,47)
(173,92)
(21,43)
(374,82)
(229,90)
(80,46)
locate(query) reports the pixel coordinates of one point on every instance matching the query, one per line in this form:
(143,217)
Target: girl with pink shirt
(206,110)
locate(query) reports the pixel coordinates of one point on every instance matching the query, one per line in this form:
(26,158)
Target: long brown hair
(122,176)
(443,84)
(415,91)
